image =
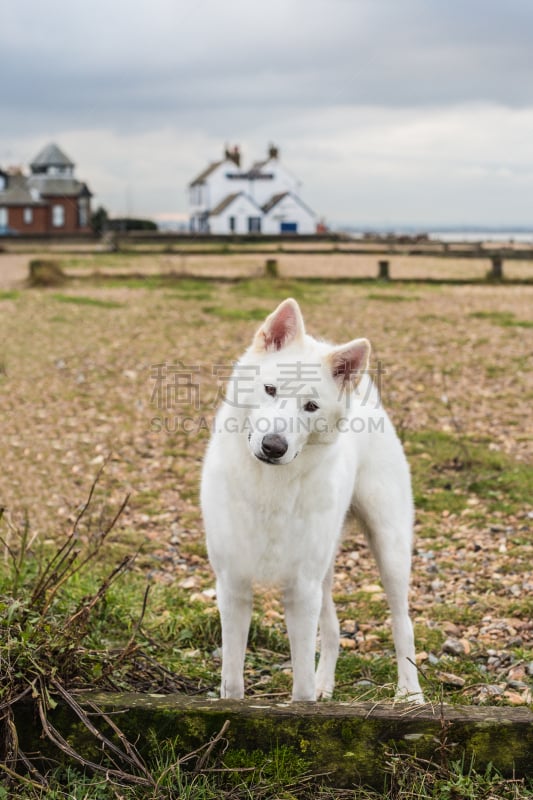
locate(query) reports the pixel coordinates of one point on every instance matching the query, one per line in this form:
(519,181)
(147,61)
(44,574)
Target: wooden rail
(349,743)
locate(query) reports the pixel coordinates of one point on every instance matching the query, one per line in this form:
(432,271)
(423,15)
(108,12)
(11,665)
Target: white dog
(300,439)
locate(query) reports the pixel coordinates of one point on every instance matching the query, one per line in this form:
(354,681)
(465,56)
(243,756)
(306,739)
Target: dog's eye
(311,406)
(271,390)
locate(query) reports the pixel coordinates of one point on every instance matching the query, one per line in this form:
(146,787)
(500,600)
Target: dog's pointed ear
(283,326)
(348,362)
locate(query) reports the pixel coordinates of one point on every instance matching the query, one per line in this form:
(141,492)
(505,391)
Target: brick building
(48,201)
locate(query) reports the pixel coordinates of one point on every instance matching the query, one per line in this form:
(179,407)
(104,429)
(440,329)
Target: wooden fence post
(271,268)
(496,272)
(383,274)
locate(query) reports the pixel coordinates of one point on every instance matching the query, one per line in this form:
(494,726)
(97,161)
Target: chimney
(273,151)
(233,155)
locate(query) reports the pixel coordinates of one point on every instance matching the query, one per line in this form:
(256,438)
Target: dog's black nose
(274,445)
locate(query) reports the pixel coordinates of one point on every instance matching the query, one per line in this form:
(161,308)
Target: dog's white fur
(276,517)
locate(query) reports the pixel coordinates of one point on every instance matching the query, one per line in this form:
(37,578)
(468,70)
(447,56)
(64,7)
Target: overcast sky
(389,111)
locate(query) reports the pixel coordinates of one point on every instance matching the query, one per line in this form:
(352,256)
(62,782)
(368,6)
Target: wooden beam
(351,743)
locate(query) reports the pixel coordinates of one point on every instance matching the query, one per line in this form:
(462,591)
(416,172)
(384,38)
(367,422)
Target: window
(232,224)
(27,216)
(2,182)
(254,224)
(58,216)
(83,212)
(3,218)
(196,195)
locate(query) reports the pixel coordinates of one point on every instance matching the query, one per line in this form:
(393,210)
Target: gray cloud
(164,57)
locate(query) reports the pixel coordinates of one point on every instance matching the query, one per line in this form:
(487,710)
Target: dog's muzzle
(273,447)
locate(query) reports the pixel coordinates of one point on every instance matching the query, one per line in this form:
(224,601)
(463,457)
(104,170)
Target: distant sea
(448,234)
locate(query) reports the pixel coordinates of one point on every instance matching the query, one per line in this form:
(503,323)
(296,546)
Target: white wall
(241,209)
(261,190)
(216,187)
(289,210)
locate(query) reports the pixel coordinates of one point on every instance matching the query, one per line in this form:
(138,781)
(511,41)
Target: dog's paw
(324,688)
(405,696)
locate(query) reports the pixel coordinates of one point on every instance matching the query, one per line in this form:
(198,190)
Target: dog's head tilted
(294,389)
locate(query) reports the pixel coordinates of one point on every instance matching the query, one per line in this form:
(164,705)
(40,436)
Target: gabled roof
(274,200)
(277,198)
(206,173)
(51,156)
(257,166)
(229,199)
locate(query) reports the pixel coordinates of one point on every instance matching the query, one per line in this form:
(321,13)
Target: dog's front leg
(302,609)
(235,606)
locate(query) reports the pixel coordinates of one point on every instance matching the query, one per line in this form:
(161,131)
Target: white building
(265,198)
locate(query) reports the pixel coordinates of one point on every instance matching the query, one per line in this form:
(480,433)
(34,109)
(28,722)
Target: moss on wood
(351,743)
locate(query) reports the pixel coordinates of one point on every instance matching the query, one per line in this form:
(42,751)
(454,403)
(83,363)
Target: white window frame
(58,216)
(27,215)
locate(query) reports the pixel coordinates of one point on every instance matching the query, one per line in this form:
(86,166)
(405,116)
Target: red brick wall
(70,206)
(38,225)
(43,217)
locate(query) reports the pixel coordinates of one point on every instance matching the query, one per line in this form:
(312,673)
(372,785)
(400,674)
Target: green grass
(190,289)
(80,300)
(279,288)
(388,297)
(506,319)
(447,468)
(9,294)
(223,312)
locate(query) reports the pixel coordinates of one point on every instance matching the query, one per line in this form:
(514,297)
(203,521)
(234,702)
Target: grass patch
(279,289)
(9,294)
(63,627)
(505,319)
(190,289)
(447,469)
(387,297)
(80,300)
(223,312)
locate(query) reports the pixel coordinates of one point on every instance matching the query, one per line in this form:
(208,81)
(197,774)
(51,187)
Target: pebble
(451,629)
(450,679)
(453,647)
(346,643)
(492,690)
(517,685)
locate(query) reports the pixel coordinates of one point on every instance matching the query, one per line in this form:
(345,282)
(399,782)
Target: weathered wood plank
(352,743)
